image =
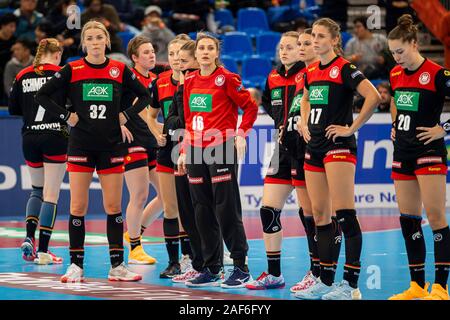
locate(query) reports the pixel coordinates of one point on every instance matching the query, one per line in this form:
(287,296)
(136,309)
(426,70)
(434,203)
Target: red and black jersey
(419,97)
(280,91)
(22,100)
(211,107)
(163,91)
(95,92)
(331,88)
(137,126)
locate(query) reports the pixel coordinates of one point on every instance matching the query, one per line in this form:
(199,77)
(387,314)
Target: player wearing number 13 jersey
(95,85)
(419,167)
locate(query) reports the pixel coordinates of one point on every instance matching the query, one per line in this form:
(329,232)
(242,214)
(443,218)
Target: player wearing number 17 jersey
(419,167)
(94,85)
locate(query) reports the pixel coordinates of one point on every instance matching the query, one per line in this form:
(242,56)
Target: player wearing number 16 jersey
(419,167)
(95,85)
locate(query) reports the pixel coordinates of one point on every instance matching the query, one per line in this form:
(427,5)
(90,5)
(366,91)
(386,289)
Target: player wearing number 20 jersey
(419,98)
(95,92)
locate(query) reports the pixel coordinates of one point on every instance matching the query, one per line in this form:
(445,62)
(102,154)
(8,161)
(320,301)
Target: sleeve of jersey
(243,99)
(131,83)
(58,83)
(175,120)
(351,76)
(266,103)
(442,82)
(154,96)
(13,102)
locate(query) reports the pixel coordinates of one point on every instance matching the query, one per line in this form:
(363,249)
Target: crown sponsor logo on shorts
(396,164)
(407,100)
(222,178)
(307,156)
(136,149)
(293,172)
(270,171)
(424,78)
(200,102)
(193,180)
(97,92)
(220,80)
(117,160)
(429,160)
(334,72)
(318,94)
(114,72)
(76,159)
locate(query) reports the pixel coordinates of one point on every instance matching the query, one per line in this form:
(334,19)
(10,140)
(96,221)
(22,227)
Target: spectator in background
(43,30)
(28,19)
(189,15)
(365,50)
(106,14)
(21,58)
(299,25)
(8,24)
(58,15)
(127,11)
(394,10)
(156,30)
(384,89)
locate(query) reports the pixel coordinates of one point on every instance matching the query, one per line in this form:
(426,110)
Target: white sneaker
(343,291)
(307,282)
(185,263)
(188,275)
(45,258)
(73,274)
(315,292)
(121,273)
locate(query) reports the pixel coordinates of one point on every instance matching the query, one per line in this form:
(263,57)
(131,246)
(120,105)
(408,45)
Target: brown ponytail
(47,45)
(405,29)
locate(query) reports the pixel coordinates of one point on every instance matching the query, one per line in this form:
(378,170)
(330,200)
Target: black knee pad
(348,222)
(270,218)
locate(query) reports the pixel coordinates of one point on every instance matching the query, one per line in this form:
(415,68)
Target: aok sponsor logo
(200,102)
(406,100)
(318,94)
(97,92)
(295,107)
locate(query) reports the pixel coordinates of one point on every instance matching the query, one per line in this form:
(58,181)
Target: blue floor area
(384,266)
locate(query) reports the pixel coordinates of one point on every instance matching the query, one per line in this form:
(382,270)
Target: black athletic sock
(353,244)
(47,217)
(76,237)
(310,230)
(442,255)
(325,237)
(135,242)
(32,211)
(114,231)
(274,262)
(337,241)
(171,235)
(185,244)
(415,246)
